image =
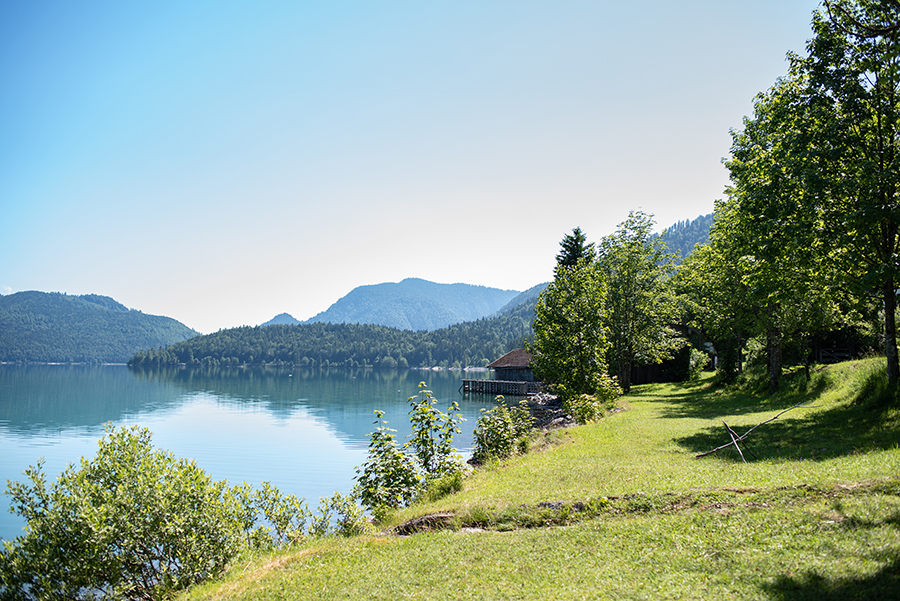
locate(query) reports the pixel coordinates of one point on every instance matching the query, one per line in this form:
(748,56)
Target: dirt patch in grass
(229,589)
(721,500)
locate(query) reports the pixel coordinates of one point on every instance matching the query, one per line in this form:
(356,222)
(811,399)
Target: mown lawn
(815,516)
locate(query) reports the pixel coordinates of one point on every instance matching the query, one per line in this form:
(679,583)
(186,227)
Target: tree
(635,268)
(768,226)
(570,341)
(853,90)
(714,300)
(573,249)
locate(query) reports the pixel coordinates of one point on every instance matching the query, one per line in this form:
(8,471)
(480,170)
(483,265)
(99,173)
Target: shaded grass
(836,420)
(622,509)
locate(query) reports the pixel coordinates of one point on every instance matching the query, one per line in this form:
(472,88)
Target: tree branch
(734,440)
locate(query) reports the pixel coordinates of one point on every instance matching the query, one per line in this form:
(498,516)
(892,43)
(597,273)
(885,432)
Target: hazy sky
(222,162)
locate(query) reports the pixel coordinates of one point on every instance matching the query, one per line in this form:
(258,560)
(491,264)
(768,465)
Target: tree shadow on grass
(814,586)
(863,423)
(713,399)
(811,586)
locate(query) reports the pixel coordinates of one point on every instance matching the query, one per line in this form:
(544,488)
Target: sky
(223,162)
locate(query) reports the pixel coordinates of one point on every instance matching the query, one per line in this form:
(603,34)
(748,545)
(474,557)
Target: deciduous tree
(635,268)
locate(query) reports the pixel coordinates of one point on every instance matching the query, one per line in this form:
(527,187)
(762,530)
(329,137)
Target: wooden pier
(510,387)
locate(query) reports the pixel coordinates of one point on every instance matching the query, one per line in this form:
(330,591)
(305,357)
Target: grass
(622,509)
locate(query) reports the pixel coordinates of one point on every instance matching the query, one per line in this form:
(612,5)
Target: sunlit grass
(815,516)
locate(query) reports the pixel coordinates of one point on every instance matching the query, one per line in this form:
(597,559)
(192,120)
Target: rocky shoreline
(547,412)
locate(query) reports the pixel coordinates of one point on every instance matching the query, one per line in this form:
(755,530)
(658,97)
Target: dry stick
(734,442)
(746,444)
(747,433)
(734,437)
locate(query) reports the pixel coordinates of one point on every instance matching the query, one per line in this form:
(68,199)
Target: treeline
(803,259)
(469,344)
(806,243)
(44,327)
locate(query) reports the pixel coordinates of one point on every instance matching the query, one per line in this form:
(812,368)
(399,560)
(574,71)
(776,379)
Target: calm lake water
(302,430)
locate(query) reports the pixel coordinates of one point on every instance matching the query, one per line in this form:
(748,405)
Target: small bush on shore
(137,523)
(502,431)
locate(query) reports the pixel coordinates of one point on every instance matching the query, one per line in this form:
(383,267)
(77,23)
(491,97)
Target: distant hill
(684,235)
(51,327)
(467,344)
(415,304)
(282,319)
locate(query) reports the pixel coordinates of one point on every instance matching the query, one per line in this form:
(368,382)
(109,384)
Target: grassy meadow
(623,509)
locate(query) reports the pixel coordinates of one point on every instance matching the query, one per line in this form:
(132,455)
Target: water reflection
(303,430)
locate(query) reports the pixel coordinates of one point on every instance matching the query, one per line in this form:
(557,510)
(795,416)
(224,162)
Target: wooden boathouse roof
(517,359)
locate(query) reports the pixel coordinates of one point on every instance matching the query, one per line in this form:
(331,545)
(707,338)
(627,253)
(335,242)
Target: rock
(425,523)
(547,412)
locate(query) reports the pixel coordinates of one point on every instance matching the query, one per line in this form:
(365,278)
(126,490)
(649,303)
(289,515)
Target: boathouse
(514,365)
(513,376)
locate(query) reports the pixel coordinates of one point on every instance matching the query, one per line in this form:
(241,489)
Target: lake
(302,430)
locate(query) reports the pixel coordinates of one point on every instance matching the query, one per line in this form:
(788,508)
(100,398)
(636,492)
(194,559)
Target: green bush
(432,440)
(137,523)
(340,514)
(286,513)
(502,431)
(133,523)
(586,408)
(697,362)
(395,475)
(388,479)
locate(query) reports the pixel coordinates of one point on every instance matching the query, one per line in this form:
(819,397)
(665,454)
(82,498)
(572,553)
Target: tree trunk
(890,332)
(806,345)
(773,349)
(624,373)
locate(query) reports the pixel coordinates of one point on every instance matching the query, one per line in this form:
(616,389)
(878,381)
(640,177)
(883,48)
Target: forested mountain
(472,343)
(415,304)
(684,235)
(526,299)
(53,327)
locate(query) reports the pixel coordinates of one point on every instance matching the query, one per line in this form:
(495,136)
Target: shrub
(388,479)
(697,362)
(135,522)
(432,440)
(502,431)
(340,514)
(286,513)
(394,475)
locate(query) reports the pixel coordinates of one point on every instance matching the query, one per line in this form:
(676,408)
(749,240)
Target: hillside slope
(50,327)
(681,237)
(815,517)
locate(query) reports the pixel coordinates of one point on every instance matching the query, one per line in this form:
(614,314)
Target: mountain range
(416,304)
(54,327)
(320,344)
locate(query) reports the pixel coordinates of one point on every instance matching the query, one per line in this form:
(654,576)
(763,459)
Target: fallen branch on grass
(736,439)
